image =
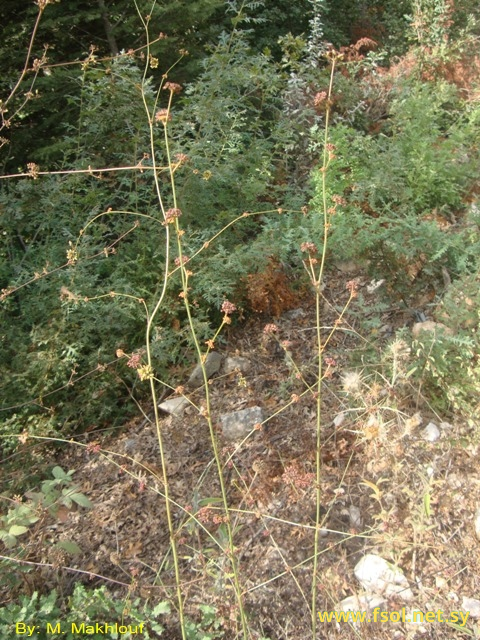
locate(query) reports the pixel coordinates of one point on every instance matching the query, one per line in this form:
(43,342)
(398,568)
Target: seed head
(228,307)
(171,215)
(320,97)
(173,87)
(309,247)
(352,382)
(269,329)
(162,115)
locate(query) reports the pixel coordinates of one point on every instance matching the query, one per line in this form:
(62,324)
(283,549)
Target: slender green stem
(320,347)
(185,275)
(151,318)
(201,357)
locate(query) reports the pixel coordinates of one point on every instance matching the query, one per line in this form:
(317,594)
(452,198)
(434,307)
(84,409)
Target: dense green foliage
(423,163)
(69,33)
(83,611)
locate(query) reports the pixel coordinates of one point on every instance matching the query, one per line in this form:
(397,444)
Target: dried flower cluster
(352,382)
(365,43)
(320,97)
(352,286)
(206,515)
(37,63)
(72,254)
(339,200)
(5,292)
(293,475)
(308,247)
(228,307)
(331,148)
(145,372)
(173,87)
(33,170)
(163,115)
(93,447)
(171,215)
(134,361)
(269,329)
(181,158)
(65,293)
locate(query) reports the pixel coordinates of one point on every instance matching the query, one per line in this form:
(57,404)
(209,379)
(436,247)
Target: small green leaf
(207,501)
(48,602)
(66,501)
(427,504)
(60,474)
(8,540)
(17,530)
(82,500)
(69,547)
(161,608)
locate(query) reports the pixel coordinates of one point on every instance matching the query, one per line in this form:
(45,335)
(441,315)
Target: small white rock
(374,285)
(339,420)
(446,426)
(431,433)
(355,516)
(211,365)
(365,602)
(471,606)
(174,406)
(429,326)
(377,575)
(239,424)
(234,363)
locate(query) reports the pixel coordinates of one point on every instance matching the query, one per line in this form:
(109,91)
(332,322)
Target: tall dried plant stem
(318,284)
(151,317)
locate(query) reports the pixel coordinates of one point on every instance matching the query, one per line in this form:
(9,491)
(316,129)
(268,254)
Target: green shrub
(447,364)
(400,191)
(51,336)
(54,493)
(87,612)
(80,614)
